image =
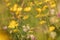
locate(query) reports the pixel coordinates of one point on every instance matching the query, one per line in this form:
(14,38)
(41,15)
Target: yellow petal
(19,9)
(38,9)
(51,28)
(27,9)
(13,24)
(53,5)
(15,7)
(42,22)
(44,8)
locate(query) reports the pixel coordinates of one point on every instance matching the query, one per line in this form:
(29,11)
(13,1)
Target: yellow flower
(44,8)
(53,5)
(38,9)
(19,9)
(42,22)
(13,24)
(51,28)
(52,2)
(25,17)
(27,9)
(8,4)
(38,3)
(30,4)
(15,7)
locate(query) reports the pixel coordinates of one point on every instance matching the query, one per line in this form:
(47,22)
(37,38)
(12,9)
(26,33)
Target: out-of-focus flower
(26,17)
(38,9)
(52,11)
(53,4)
(38,3)
(27,9)
(11,31)
(54,20)
(42,22)
(13,24)
(19,9)
(15,7)
(32,37)
(31,3)
(58,15)
(26,28)
(8,4)
(53,35)
(51,28)
(5,27)
(44,8)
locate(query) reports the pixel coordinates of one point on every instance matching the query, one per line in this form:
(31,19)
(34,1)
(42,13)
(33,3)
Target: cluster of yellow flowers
(13,24)
(16,9)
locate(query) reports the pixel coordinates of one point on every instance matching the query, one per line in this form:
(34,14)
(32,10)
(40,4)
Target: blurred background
(29,19)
